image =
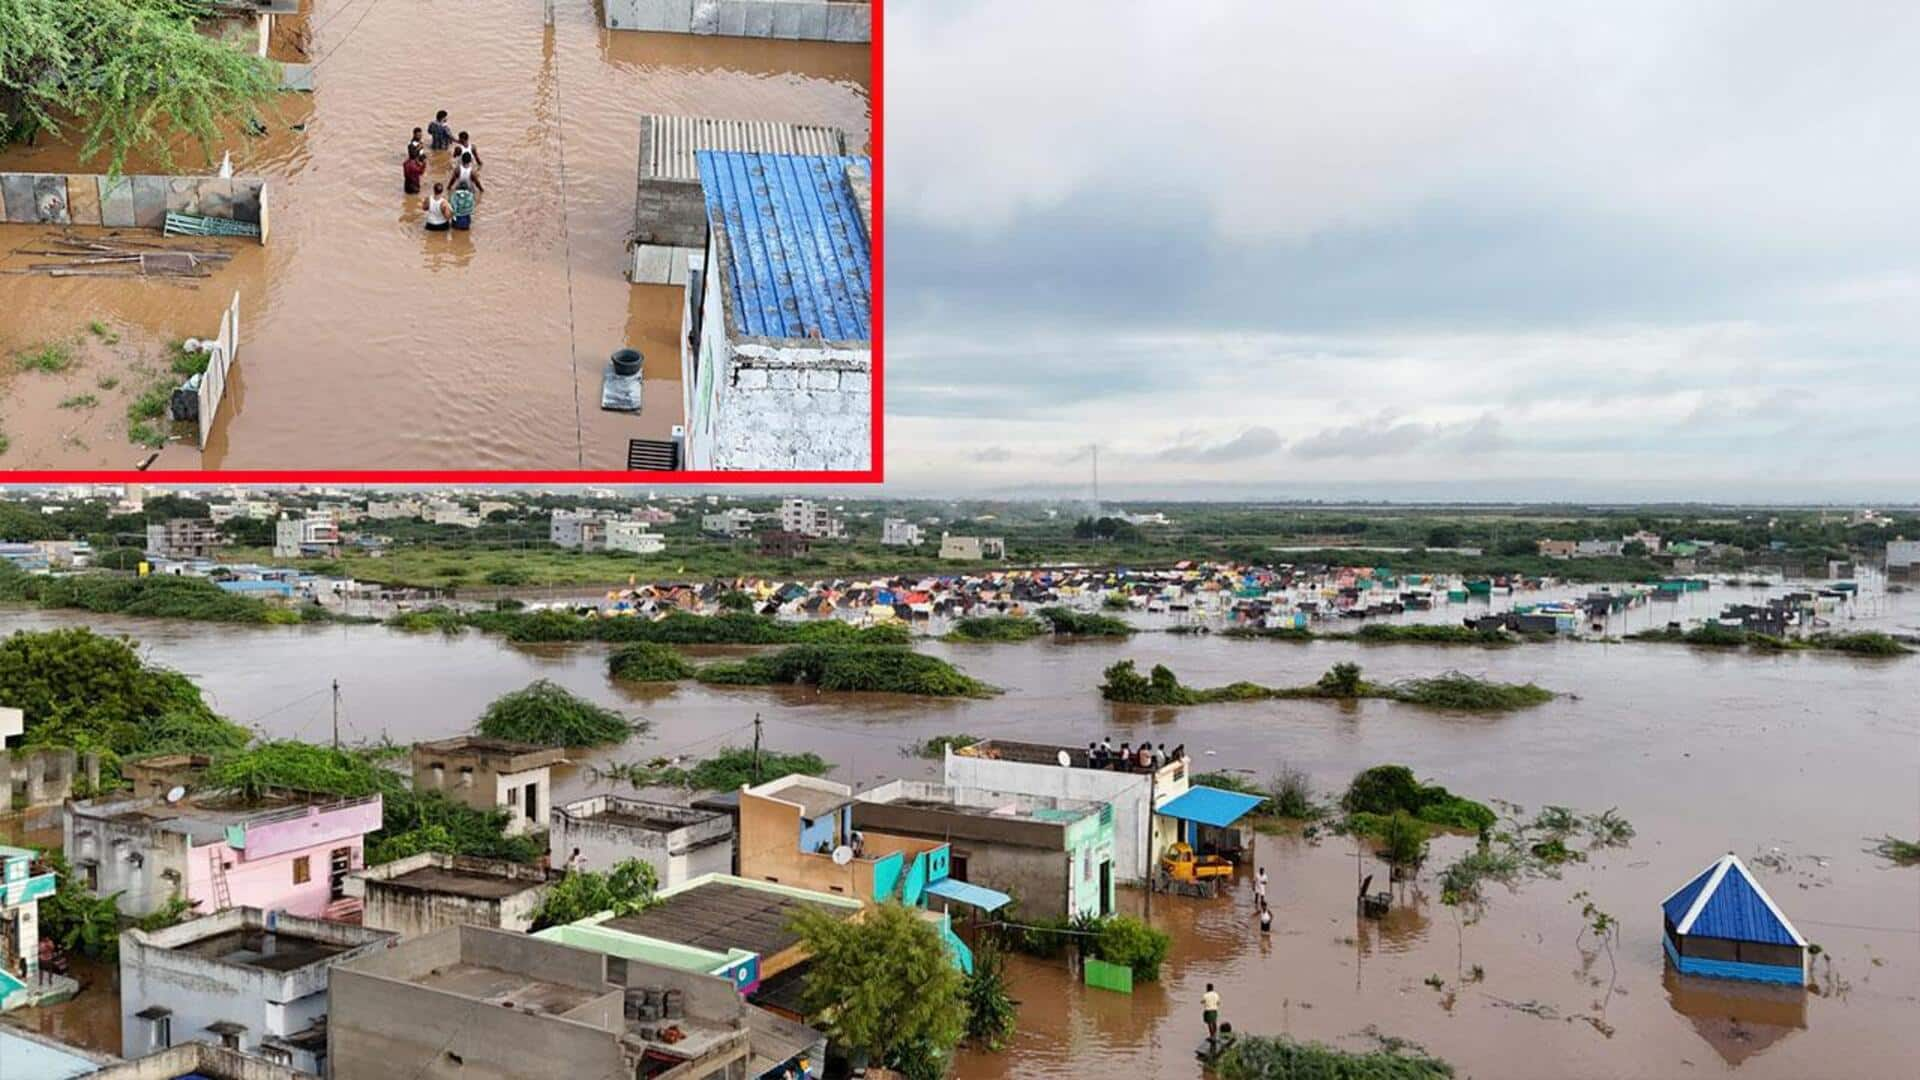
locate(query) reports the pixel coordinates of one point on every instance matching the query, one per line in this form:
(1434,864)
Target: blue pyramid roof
(1675,907)
(1725,901)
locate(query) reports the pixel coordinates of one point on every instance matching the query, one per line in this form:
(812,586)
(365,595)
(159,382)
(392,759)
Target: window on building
(277,1054)
(513,796)
(466,776)
(302,870)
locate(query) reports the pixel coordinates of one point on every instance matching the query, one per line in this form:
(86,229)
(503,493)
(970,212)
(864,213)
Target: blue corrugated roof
(1209,806)
(1731,904)
(1676,906)
(801,260)
(968,893)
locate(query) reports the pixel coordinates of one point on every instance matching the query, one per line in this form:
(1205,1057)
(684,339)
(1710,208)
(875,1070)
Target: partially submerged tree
(627,888)
(885,986)
(130,75)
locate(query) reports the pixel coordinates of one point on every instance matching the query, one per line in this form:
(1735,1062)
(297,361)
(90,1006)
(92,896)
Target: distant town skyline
(1483,250)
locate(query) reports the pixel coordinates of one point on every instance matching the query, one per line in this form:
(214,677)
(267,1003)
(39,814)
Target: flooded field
(369,343)
(1800,757)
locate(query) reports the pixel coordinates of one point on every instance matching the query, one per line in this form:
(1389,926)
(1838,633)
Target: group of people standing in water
(452,202)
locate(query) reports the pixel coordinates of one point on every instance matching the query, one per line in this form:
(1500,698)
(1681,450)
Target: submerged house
(1723,924)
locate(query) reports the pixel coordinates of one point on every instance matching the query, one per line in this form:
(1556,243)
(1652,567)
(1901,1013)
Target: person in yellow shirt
(1210,1012)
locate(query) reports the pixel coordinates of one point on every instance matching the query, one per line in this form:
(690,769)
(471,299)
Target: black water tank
(626,363)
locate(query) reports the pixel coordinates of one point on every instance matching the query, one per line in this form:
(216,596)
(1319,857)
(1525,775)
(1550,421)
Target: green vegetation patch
(51,358)
(1713,635)
(996,628)
(79,401)
(1432,634)
(1343,682)
(852,668)
(1085,623)
(163,596)
(675,628)
(546,714)
(1903,852)
(93,693)
(1261,1057)
(1385,790)
(646,661)
(934,747)
(625,889)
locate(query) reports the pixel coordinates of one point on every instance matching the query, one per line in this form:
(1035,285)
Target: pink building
(287,851)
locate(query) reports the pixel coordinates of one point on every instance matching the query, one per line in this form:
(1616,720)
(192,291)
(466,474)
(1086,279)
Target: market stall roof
(967,893)
(1209,806)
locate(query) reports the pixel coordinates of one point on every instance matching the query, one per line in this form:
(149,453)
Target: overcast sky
(1467,249)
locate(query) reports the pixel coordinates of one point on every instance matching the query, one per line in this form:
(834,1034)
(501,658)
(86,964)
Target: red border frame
(873,475)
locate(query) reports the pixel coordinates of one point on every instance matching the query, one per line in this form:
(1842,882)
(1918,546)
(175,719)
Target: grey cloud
(1383,436)
(1254,442)
(992,454)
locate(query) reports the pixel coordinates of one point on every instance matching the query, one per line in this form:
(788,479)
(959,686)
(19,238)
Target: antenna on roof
(176,794)
(842,855)
(1066,760)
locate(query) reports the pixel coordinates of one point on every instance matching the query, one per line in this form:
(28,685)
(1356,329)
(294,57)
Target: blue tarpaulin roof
(800,263)
(1724,901)
(967,893)
(1209,806)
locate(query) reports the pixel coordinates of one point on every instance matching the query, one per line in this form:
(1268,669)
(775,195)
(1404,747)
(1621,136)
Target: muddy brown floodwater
(1704,752)
(368,343)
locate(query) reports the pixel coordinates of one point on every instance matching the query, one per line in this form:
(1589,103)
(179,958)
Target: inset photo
(539,240)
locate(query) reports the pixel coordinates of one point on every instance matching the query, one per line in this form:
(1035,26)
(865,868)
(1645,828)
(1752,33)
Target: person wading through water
(462,200)
(439,132)
(465,174)
(439,216)
(413,170)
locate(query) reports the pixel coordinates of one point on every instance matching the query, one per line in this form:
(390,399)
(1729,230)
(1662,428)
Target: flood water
(1705,752)
(369,343)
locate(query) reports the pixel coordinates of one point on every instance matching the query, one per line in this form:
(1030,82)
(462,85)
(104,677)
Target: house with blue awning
(1206,817)
(1723,924)
(1055,855)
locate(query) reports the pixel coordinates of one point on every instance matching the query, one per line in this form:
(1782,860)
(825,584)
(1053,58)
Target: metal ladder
(222,892)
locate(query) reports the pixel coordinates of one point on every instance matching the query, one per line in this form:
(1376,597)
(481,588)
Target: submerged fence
(129,202)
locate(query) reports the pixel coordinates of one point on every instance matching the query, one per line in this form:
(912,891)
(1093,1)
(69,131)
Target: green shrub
(547,715)
(184,363)
(1388,789)
(625,889)
(151,404)
(1341,681)
(645,661)
(296,765)
(1126,940)
(79,401)
(1431,634)
(726,770)
(992,1014)
(52,358)
(146,435)
(1403,841)
(934,747)
(1467,693)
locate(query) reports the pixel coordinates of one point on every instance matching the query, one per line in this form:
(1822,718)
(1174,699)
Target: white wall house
(634,538)
(899,532)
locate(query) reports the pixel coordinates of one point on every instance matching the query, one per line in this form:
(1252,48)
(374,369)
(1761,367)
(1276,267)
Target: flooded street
(1704,752)
(369,343)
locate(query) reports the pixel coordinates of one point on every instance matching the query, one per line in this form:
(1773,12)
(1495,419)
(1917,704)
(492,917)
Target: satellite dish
(176,794)
(842,855)
(1066,759)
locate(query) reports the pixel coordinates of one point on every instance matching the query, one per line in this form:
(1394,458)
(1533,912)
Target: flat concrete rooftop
(471,883)
(508,989)
(814,802)
(280,951)
(720,915)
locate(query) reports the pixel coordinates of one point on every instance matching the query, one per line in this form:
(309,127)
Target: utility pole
(756,749)
(336,714)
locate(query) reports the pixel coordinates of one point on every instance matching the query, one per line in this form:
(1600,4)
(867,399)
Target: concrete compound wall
(202,1059)
(791,20)
(129,202)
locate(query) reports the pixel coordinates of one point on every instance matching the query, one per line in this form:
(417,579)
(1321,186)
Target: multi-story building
(490,774)
(183,538)
(899,532)
(282,851)
(249,980)
(810,519)
(454,514)
(1902,556)
(733,524)
(394,509)
(315,536)
(633,538)
(1064,772)
(581,531)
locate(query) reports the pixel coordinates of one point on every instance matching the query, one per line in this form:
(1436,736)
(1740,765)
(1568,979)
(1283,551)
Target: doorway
(1106,887)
